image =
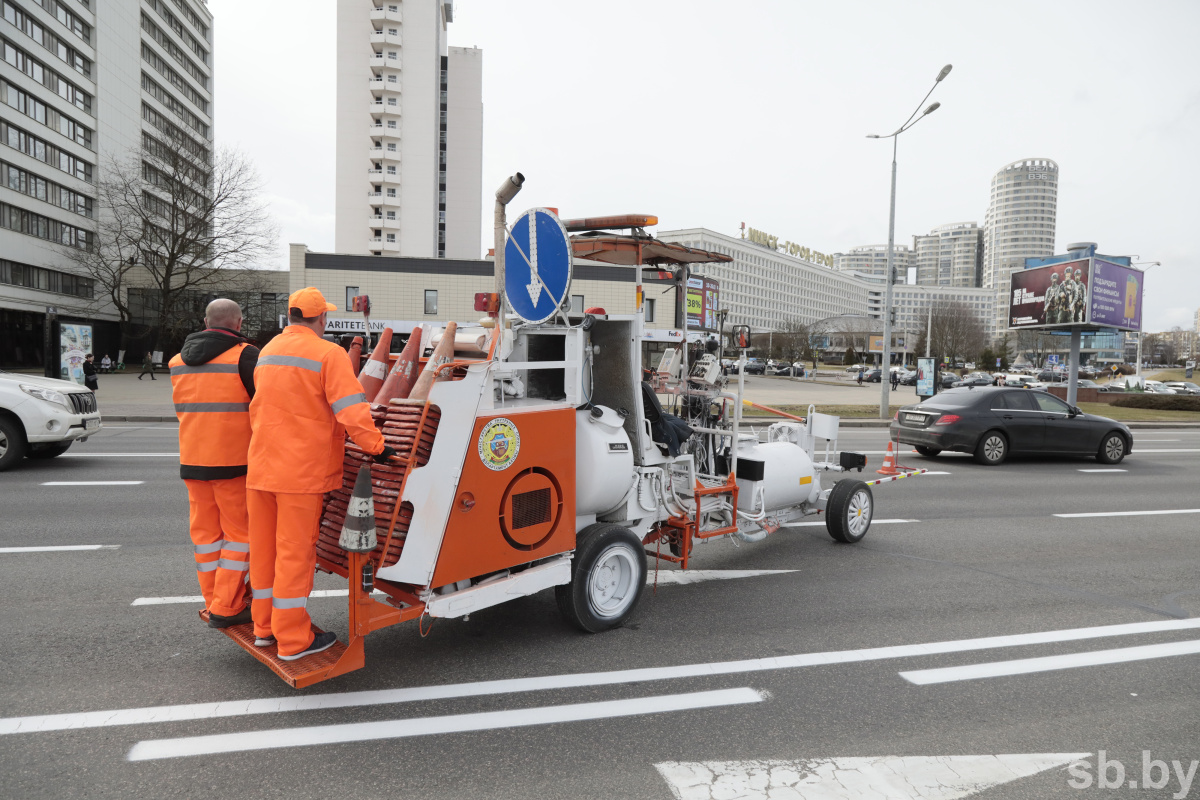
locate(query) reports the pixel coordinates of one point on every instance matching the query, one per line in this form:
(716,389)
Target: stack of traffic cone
(442,354)
(889,463)
(356,355)
(376,368)
(404,374)
(358,530)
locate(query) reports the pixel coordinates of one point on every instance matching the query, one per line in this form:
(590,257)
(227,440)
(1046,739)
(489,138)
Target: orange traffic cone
(356,355)
(442,354)
(376,368)
(889,463)
(358,531)
(404,374)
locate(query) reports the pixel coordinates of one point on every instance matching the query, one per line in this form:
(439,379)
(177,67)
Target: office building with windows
(871,259)
(1020,223)
(409,152)
(83,82)
(914,302)
(950,255)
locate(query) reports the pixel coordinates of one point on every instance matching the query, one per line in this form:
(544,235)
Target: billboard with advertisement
(703,296)
(74,343)
(1116,299)
(926,374)
(1055,296)
(875,343)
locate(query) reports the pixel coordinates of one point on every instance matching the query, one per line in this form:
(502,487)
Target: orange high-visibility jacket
(306,399)
(213,407)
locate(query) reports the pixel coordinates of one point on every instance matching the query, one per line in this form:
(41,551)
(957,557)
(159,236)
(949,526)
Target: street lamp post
(917,116)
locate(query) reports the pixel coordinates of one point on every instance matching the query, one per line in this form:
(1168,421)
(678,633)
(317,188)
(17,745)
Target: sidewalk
(123,398)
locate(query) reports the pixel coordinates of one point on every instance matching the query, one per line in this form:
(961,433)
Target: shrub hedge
(1161,402)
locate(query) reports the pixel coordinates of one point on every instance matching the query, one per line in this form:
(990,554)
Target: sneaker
(264,641)
(320,642)
(240,618)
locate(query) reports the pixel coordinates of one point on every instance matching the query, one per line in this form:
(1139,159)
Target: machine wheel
(12,443)
(608,574)
(849,511)
(1112,449)
(992,449)
(928,452)
(50,451)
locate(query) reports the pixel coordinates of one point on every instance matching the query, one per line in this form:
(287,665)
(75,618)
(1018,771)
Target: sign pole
(1073,373)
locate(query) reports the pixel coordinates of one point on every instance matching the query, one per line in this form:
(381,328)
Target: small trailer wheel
(608,574)
(849,511)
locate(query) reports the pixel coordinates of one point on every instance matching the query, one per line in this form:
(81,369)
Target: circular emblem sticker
(499,443)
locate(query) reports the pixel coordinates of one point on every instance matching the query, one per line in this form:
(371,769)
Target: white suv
(42,417)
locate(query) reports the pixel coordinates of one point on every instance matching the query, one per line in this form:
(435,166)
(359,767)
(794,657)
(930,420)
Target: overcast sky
(711,113)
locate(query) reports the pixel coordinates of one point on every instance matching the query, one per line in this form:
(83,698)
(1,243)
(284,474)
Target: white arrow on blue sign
(537,265)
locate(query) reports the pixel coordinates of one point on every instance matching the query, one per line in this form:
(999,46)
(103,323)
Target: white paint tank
(603,460)
(782,470)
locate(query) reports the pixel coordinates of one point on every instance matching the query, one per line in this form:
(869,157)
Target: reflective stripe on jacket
(214,417)
(306,399)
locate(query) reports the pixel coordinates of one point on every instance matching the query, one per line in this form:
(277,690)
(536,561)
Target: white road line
(119,455)
(1141,450)
(275,705)
(59,548)
(701,575)
(1157,441)
(92,483)
(160,601)
(822,524)
(154,428)
(1154,512)
(1104,470)
(1024,666)
(428,726)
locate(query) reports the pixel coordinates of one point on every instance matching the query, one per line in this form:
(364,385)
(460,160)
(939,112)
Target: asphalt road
(978,553)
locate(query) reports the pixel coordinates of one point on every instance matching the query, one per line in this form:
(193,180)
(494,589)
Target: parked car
(1111,387)
(1021,381)
(908,378)
(1053,376)
(994,423)
(755,367)
(873,375)
(1158,387)
(1184,387)
(1084,383)
(43,417)
(975,379)
(856,367)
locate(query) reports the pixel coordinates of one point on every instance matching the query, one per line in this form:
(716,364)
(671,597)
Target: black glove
(383,456)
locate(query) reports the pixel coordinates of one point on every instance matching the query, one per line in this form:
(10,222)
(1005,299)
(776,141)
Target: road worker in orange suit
(307,400)
(212,382)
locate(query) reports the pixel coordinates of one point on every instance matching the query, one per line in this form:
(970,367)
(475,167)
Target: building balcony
(383,37)
(384,14)
(382,131)
(380,85)
(381,243)
(380,61)
(378,107)
(382,154)
(382,199)
(381,221)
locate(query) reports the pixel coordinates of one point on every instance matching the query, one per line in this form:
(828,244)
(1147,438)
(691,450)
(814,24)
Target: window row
(174,50)
(46,76)
(14,273)
(161,7)
(71,22)
(31,28)
(192,17)
(175,134)
(151,87)
(24,221)
(43,151)
(49,116)
(167,71)
(179,189)
(186,169)
(26,182)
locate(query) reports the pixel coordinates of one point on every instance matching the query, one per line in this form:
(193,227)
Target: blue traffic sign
(537,265)
(1051,359)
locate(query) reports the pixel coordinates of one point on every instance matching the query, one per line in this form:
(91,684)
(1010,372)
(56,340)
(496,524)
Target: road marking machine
(535,452)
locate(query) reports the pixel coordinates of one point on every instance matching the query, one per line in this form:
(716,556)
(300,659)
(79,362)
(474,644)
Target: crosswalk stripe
(59,548)
(1150,513)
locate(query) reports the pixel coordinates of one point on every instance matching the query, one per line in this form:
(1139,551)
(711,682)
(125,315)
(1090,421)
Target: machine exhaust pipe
(504,195)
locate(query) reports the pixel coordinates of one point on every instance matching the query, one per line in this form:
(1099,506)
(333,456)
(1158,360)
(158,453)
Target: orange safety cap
(310,301)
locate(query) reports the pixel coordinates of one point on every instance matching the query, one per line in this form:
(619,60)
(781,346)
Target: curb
(135,418)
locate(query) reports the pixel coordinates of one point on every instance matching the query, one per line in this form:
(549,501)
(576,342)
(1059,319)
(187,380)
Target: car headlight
(48,395)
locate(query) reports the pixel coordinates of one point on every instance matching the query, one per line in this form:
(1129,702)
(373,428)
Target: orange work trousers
(221,541)
(283,558)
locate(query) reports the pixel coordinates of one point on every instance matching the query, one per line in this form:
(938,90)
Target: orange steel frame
(688,528)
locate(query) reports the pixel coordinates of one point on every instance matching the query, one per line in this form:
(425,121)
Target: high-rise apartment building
(871,259)
(950,255)
(409,132)
(83,82)
(1020,223)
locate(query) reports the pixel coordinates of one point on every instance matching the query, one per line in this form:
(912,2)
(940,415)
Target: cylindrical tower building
(1020,223)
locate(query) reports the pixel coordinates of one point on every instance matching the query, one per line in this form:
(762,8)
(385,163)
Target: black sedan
(975,379)
(873,375)
(993,422)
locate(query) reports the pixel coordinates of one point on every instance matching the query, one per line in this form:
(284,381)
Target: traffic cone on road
(356,355)
(376,368)
(889,463)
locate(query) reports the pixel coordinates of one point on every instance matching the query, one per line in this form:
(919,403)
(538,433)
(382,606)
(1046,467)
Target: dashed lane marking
(1104,470)
(428,726)
(822,524)
(275,705)
(59,548)
(1024,666)
(92,483)
(1150,513)
(119,455)
(159,601)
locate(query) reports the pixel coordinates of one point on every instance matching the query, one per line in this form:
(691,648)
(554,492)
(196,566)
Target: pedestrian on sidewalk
(106,364)
(860,376)
(895,379)
(147,366)
(89,373)
(212,383)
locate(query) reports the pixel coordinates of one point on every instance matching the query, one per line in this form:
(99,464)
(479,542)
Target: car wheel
(992,449)
(928,452)
(1112,449)
(50,451)
(608,574)
(849,511)
(12,443)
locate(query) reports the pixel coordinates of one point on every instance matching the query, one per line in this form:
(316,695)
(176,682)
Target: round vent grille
(531,509)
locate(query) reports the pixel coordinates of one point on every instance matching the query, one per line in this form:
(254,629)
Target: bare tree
(795,341)
(177,225)
(1035,345)
(1170,346)
(955,331)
